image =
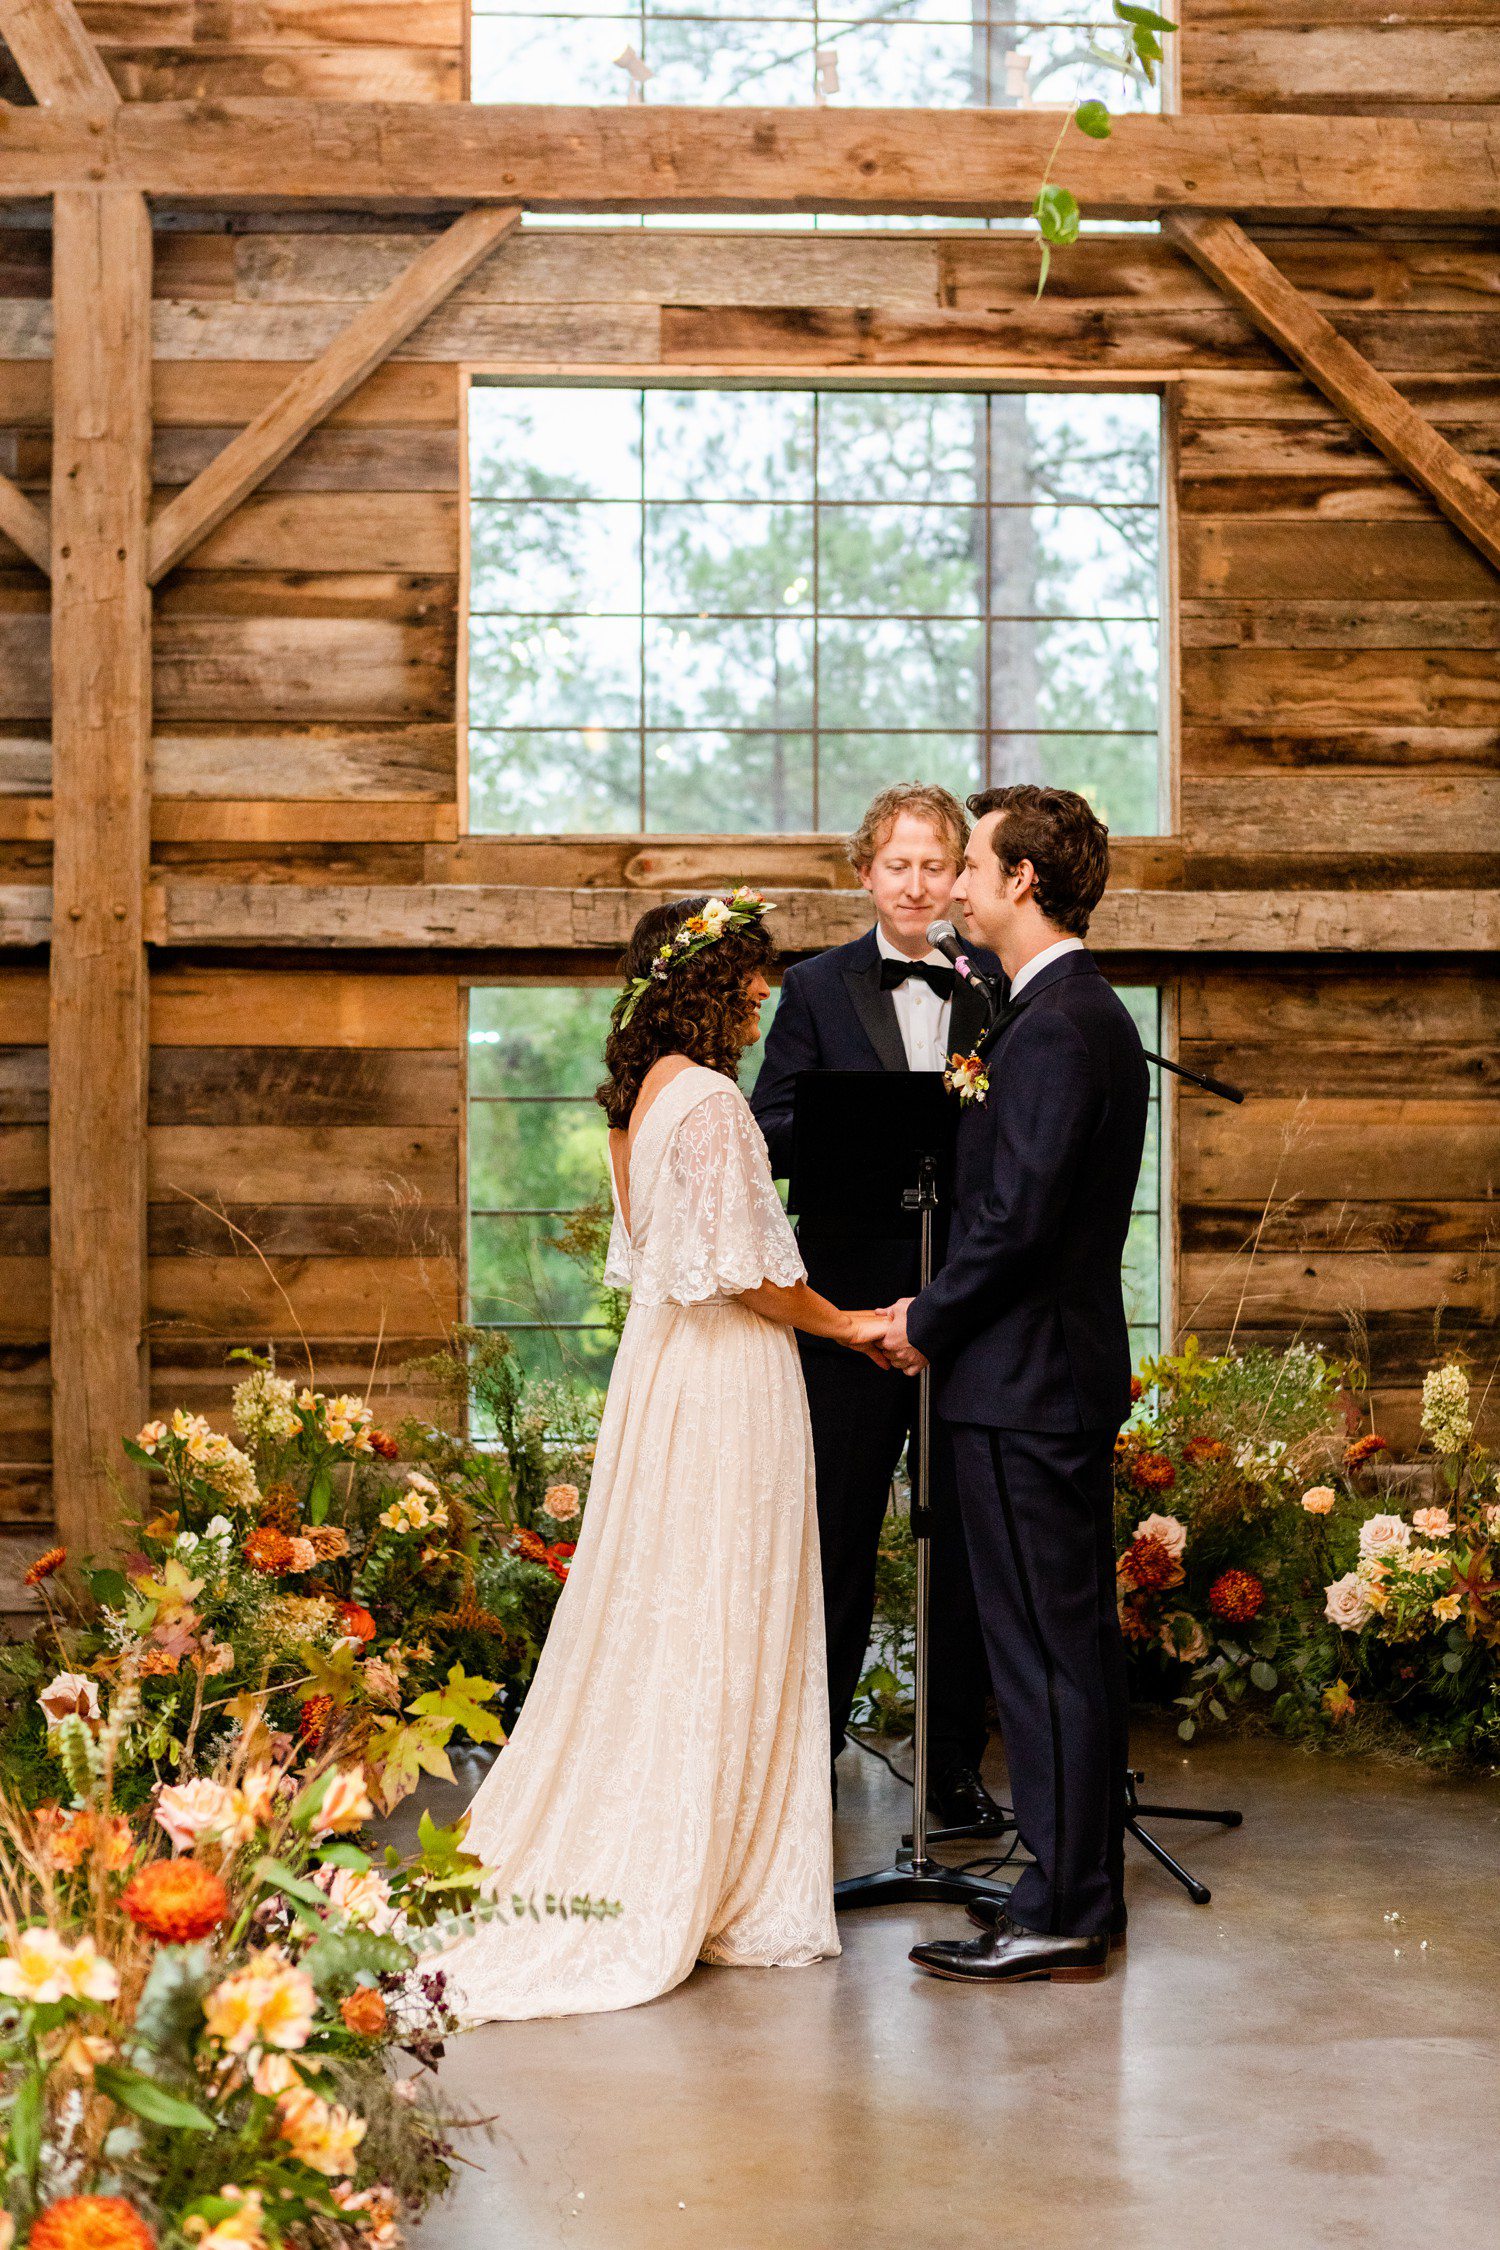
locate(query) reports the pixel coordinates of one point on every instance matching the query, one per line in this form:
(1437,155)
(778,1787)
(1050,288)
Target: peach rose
(1320,1500)
(1433,1523)
(1347,1602)
(1167,1529)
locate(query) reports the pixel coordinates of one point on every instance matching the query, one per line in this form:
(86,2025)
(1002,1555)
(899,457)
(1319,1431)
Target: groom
(1024,1326)
(884,1002)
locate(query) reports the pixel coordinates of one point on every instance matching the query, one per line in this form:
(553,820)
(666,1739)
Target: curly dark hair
(698,1009)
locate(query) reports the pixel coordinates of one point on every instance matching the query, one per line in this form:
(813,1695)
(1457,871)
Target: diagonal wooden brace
(369,339)
(1246,275)
(57,58)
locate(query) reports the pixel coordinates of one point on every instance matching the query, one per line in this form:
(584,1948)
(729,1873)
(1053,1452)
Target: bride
(672,1753)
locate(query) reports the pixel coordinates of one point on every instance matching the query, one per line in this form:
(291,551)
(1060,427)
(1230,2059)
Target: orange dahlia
(364,2012)
(1137,1390)
(1236,1596)
(1149,1564)
(1204,1449)
(1364,1449)
(1152,1472)
(313,1718)
(385,1445)
(73,1835)
(531,1545)
(176,1900)
(44,1565)
(358,1624)
(268,1550)
(91,2222)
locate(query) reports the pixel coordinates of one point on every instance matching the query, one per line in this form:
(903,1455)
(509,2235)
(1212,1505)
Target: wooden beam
(57,58)
(1246,275)
(24,522)
(966,163)
(101,738)
(370,338)
(495,917)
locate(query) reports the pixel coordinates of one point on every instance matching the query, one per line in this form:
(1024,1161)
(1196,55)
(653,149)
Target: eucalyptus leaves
(1055,208)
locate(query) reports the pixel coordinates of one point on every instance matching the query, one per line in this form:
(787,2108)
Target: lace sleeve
(717,1226)
(617,1273)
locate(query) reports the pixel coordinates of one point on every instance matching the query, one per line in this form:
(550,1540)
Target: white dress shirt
(921,1015)
(1039,961)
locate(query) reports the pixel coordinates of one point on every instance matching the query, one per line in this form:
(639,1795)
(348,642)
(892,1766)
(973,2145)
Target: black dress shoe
(984,1913)
(957,1798)
(1010,1955)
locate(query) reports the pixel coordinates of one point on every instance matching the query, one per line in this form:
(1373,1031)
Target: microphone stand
(915,1875)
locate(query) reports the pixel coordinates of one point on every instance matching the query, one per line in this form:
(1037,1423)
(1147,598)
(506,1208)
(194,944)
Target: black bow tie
(893,973)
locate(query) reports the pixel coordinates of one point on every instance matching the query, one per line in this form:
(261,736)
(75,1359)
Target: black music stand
(872,1156)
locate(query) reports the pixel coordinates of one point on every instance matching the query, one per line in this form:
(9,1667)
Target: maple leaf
(460,1702)
(331,1675)
(398,1754)
(172,1592)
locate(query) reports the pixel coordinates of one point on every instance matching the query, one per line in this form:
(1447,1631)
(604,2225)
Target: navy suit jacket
(833,1015)
(1025,1322)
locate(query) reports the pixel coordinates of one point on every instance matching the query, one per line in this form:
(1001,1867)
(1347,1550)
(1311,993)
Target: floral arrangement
(719,917)
(201,2006)
(318,1574)
(1266,1577)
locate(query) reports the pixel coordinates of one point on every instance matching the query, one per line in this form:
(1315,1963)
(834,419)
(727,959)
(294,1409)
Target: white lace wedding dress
(673,1750)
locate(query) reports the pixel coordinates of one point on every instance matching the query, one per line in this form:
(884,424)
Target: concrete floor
(1289,2066)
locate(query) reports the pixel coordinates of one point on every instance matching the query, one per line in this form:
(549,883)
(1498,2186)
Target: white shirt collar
(1040,961)
(891,952)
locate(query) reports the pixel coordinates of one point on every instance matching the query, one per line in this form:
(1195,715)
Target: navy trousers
(861,1415)
(1038,1517)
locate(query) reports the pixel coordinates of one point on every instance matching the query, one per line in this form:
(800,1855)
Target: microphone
(944,939)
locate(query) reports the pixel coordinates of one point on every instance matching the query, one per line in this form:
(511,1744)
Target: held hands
(862,1332)
(895,1345)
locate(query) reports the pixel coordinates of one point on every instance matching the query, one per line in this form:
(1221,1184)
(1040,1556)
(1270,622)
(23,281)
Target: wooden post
(101,734)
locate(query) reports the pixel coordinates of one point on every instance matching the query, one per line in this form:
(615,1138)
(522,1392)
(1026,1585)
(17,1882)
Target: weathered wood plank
(1334,688)
(1341,70)
(254,821)
(301,1008)
(1347,1009)
(1393,1229)
(1249,561)
(234,1297)
(1314,1285)
(1364,813)
(477,916)
(304,1086)
(259,670)
(361,763)
(1219,748)
(317,531)
(25,524)
(966,163)
(273,1164)
(206,74)
(1252,282)
(1327,1147)
(391,1229)
(278,23)
(1340,624)
(101,652)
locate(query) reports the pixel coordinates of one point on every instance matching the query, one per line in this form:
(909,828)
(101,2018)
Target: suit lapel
(966,1023)
(876,1010)
(1067,965)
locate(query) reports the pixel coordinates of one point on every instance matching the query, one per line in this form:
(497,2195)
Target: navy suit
(1025,1328)
(833,1015)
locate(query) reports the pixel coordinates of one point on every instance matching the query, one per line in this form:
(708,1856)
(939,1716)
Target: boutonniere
(967,1077)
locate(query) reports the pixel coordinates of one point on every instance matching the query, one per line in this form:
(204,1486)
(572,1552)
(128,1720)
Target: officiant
(885,1002)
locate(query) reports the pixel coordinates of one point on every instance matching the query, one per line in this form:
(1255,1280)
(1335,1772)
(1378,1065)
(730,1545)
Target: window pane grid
(609,703)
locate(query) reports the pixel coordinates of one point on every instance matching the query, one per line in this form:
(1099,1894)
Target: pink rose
(1433,1523)
(1347,1603)
(1168,1530)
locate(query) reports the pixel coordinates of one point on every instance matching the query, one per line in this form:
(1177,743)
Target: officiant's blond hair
(926,800)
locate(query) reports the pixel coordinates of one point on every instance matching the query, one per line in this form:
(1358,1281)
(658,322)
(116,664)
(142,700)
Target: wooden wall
(1341,708)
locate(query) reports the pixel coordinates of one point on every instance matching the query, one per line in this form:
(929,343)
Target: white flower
(40,1969)
(1347,1602)
(151,1436)
(1169,1531)
(265,1406)
(1383,1535)
(69,1694)
(1445,1408)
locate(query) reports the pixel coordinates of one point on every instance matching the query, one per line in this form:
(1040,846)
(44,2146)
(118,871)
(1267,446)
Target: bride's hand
(862,1332)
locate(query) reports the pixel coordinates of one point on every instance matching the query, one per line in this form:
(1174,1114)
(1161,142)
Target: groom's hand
(898,1349)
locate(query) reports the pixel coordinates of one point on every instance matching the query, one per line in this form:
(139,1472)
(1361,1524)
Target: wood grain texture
(369,338)
(1406,437)
(60,61)
(101,695)
(658,158)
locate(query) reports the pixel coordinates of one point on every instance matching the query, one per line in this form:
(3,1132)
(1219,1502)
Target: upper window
(705,610)
(934,54)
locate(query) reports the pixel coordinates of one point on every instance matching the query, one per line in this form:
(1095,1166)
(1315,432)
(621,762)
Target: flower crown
(716,918)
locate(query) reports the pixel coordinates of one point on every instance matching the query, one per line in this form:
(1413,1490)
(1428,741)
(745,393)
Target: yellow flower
(268,2003)
(240,2230)
(324,2135)
(1337,1701)
(149,1438)
(1447,1607)
(40,1969)
(346,1804)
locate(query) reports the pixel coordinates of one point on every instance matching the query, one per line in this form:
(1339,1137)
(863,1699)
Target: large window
(932,53)
(711,610)
(537,1157)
